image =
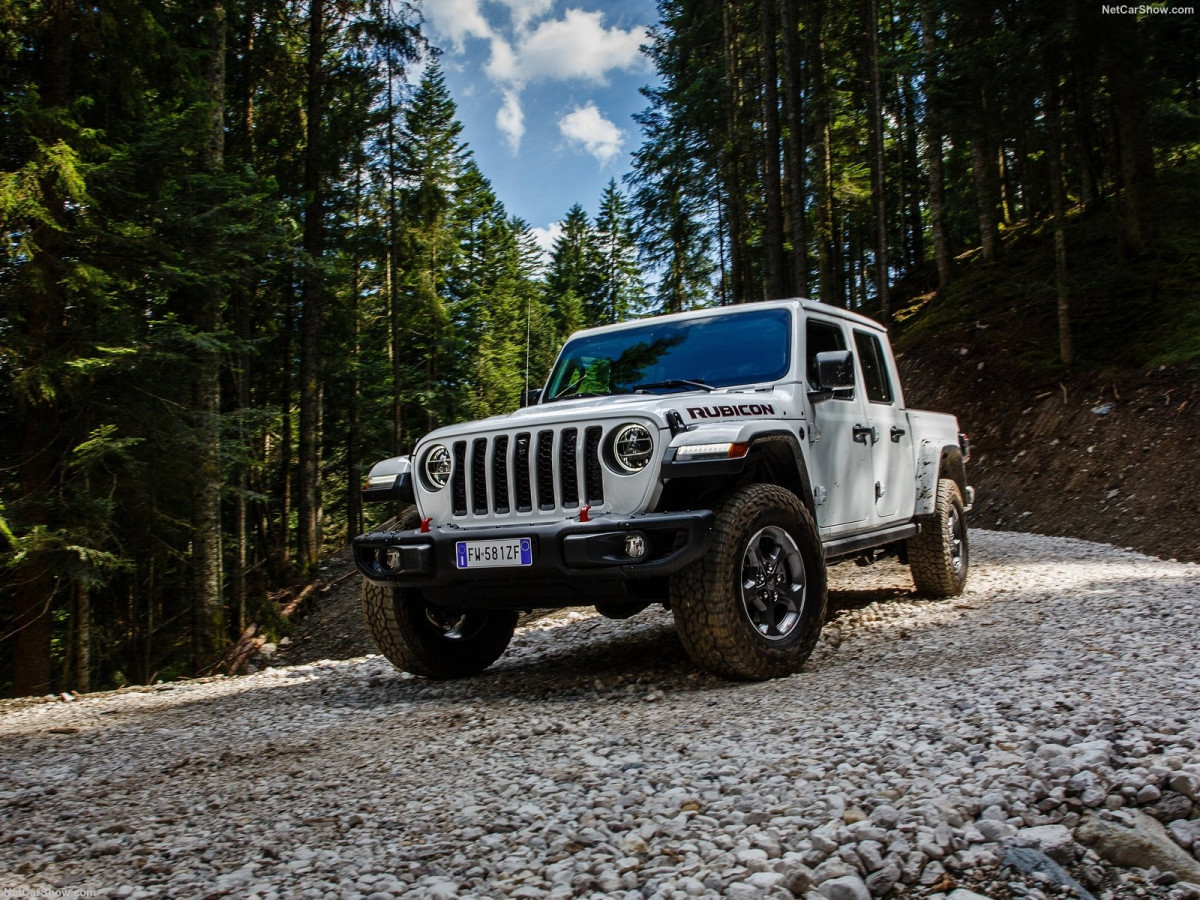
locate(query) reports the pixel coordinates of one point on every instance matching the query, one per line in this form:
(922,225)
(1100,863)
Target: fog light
(635,546)
(394,558)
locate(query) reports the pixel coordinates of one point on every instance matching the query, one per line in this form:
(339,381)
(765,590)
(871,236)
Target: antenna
(527,318)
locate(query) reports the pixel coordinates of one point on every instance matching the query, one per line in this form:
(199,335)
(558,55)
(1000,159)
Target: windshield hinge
(675,422)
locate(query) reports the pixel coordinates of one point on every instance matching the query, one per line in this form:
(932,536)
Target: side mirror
(530,397)
(835,372)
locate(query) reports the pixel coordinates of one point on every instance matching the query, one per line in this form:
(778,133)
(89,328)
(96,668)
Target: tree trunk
(1058,201)
(734,184)
(827,276)
(933,151)
(308,540)
(773,236)
(875,141)
(1125,71)
(208,614)
(985,199)
(35,582)
(796,146)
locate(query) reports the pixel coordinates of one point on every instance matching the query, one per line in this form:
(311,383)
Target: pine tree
(573,283)
(622,291)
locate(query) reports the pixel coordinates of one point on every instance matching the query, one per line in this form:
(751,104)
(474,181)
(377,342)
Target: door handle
(862,432)
(897,433)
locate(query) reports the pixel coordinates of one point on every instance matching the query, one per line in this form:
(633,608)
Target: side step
(839,547)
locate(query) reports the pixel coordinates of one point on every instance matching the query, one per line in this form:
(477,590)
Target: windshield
(751,347)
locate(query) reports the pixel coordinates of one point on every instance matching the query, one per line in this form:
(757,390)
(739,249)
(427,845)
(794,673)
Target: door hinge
(879,490)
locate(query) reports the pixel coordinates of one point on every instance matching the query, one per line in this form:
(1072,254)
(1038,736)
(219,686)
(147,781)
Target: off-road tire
(713,619)
(406,630)
(940,555)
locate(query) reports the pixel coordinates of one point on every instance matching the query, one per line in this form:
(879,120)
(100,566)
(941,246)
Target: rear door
(893,466)
(840,456)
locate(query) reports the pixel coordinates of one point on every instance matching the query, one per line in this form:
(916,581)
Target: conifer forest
(245,253)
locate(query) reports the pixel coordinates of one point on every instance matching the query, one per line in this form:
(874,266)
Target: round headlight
(437,466)
(632,447)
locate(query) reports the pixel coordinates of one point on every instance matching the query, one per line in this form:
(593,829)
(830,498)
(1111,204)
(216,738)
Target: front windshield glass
(751,347)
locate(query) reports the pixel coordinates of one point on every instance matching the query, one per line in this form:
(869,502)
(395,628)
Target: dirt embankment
(1112,459)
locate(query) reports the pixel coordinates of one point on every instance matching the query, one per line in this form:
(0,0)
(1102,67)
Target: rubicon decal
(721,412)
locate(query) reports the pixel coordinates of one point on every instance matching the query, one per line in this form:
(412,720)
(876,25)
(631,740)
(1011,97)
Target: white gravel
(923,739)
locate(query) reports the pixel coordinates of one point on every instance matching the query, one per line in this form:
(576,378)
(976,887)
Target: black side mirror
(835,372)
(531,397)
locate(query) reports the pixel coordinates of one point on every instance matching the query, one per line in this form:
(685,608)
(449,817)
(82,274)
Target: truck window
(821,337)
(874,369)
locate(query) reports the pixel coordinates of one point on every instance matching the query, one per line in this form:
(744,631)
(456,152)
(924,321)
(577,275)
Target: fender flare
(935,460)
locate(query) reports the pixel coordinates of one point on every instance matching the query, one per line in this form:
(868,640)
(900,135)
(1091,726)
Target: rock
(1056,841)
(882,881)
(848,887)
(1172,806)
(992,831)
(964,894)
(798,879)
(1186,783)
(1185,832)
(1148,794)
(885,816)
(1028,861)
(831,868)
(1141,844)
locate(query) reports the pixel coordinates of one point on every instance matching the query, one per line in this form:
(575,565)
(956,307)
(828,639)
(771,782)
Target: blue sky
(545,91)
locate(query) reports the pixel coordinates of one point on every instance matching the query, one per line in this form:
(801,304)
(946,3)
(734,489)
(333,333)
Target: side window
(821,337)
(874,368)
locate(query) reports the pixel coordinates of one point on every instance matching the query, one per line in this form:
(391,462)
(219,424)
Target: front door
(840,446)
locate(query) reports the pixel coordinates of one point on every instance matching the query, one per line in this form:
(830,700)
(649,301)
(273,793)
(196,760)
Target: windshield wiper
(675,382)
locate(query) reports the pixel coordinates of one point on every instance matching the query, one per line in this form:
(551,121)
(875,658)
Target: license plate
(493,554)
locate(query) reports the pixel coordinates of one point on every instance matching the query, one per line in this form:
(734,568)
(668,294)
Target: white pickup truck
(712,461)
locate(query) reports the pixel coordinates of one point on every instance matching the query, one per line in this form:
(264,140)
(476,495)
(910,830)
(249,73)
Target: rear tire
(940,555)
(754,607)
(430,640)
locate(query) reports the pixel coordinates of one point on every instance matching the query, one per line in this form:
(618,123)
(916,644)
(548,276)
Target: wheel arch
(774,457)
(935,460)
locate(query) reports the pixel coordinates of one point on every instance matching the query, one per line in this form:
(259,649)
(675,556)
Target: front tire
(430,640)
(754,607)
(940,555)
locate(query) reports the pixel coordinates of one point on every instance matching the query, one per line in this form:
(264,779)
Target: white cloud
(511,120)
(598,135)
(525,11)
(457,20)
(575,46)
(546,237)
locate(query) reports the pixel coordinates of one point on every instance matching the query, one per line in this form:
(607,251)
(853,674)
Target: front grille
(458,483)
(594,476)
(545,470)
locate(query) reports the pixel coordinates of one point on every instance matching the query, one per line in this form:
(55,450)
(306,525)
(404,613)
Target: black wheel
(940,555)
(426,639)
(754,607)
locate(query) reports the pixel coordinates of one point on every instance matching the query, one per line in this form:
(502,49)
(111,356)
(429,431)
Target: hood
(693,407)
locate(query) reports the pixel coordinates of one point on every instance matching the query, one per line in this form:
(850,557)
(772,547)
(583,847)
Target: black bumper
(572,562)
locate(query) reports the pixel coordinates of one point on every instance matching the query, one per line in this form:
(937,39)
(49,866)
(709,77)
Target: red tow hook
(425,525)
(583,514)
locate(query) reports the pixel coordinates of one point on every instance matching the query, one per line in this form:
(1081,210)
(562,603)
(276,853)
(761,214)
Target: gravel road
(1023,740)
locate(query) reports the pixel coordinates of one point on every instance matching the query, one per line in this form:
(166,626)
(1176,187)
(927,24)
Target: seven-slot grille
(545,469)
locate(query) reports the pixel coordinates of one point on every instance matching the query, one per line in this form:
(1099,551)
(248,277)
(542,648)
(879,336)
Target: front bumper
(572,561)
